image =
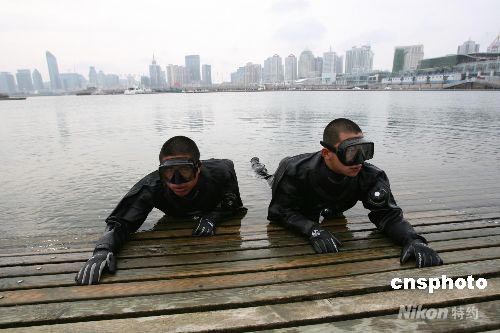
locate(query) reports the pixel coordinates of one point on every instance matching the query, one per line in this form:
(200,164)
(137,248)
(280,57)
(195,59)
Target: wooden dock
(254,277)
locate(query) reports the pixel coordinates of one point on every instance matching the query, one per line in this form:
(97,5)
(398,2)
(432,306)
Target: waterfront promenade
(257,277)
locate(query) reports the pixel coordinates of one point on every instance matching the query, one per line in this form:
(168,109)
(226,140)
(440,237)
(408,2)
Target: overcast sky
(120,37)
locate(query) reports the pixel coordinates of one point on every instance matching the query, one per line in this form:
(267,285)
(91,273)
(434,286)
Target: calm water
(66,161)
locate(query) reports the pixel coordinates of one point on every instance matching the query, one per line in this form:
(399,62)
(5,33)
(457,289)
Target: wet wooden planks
(253,277)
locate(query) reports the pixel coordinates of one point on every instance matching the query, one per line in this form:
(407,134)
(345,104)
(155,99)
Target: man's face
(183,189)
(333,162)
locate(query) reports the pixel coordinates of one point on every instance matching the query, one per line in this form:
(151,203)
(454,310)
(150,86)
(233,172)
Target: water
(66,161)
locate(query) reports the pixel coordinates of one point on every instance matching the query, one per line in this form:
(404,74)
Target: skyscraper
(468,47)
(307,65)
(92,77)
(339,64)
(55,79)
(318,67)
(359,60)
(37,81)
(407,58)
(329,74)
(290,68)
(206,71)
(155,75)
(7,83)
(176,76)
(192,63)
(24,81)
(273,70)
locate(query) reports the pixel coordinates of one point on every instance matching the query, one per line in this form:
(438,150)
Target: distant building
(468,47)
(359,60)
(465,63)
(24,81)
(407,58)
(145,82)
(176,76)
(92,77)
(339,64)
(7,83)
(318,67)
(37,81)
(494,46)
(101,79)
(290,68)
(307,65)
(55,80)
(72,81)
(192,63)
(155,75)
(112,81)
(273,70)
(248,75)
(206,71)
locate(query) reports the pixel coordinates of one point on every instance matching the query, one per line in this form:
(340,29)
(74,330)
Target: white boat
(133,91)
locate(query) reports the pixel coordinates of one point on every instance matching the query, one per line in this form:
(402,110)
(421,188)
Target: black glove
(205,226)
(91,272)
(323,241)
(423,254)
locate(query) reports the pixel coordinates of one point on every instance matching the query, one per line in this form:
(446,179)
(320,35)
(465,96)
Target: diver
(182,186)
(310,187)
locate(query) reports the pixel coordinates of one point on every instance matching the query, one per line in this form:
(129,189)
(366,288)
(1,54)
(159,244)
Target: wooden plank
(194,281)
(287,314)
(72,262)
(286,292)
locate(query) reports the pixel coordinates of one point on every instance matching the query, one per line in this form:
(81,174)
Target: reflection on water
(66,161)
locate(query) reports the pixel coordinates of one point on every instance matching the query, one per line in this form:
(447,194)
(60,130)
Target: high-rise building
(7,83)
(192,63)
(92,77)
(468,47)
(24,81)
(290,68)
(318,67)
(329,72)
(494,46)
(37,81)
(55,79)
(72,81)
(101,79)
(206,71)
(176,76)
(273,70)
(155,75)
(407,58)
(359,60)
(339,64)
(248,75)
(307,65)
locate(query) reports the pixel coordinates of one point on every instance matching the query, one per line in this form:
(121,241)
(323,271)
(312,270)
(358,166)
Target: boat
(4,97)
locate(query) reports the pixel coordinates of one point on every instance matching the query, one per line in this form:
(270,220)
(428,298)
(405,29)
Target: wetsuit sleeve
(230,203)
(127,217)
(386,214)
(285,206)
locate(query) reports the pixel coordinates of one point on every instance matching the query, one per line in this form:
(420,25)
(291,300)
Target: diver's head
(344,148)
(180,165)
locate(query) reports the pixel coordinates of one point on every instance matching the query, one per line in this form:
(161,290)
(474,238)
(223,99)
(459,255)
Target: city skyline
(96,34)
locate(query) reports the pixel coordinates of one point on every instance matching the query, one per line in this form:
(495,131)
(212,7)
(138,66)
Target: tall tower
(92,77)
(290,68)
(55,79)
(359,60)
(206,71)
(192,63)
(155,75)
(24,81)
(307,65)
(37,81)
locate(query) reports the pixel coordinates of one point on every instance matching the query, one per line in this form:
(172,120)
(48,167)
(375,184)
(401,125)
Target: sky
(121,37)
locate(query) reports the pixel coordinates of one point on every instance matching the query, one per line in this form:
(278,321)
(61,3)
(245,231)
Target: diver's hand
(423,254)
(205,226)
(323,241)
(91,272)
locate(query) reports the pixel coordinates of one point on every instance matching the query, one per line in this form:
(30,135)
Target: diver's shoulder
(220,169)
(370,171)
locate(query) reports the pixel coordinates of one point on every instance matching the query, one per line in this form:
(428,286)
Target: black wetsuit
(303,186)
(216,193)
